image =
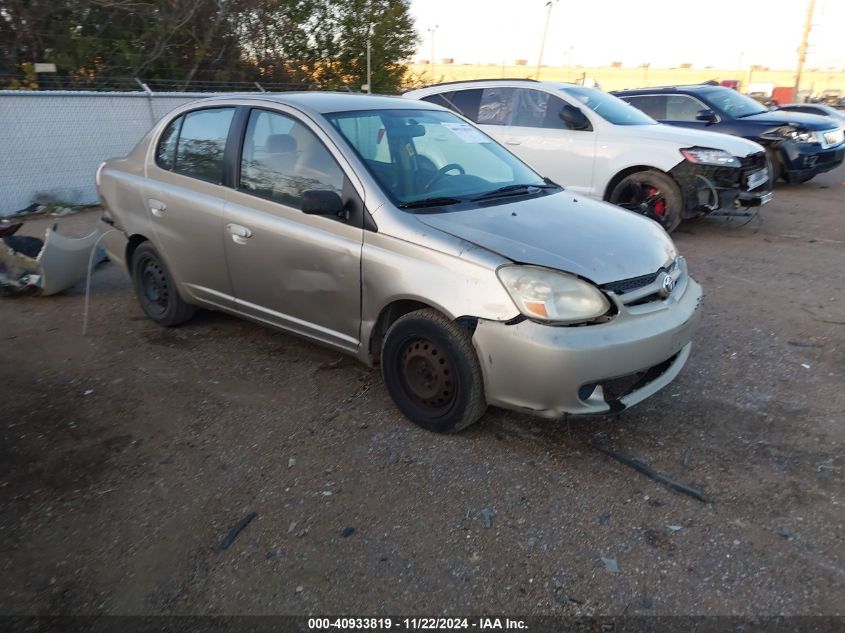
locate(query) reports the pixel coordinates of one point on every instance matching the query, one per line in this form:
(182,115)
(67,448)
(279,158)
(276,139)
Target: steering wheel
(441,173)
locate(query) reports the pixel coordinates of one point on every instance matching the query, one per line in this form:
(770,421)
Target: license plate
(758,178)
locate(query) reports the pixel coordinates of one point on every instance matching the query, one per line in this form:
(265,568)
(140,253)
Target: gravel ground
(127,455)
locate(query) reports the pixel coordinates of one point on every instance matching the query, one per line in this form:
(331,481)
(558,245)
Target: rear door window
(497,106)
(202,142)
(652,105)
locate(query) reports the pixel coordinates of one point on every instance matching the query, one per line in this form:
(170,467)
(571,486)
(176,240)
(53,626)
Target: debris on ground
(487,515)
(44,267)
(291,462)
(785,532)
(604,519)
(237,529)
(610,564)
(673,528)
(686,458)
(347,532)
(647,470)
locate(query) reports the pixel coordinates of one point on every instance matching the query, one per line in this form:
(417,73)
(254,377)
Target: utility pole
(431,32)
(369,81)
(549,6)
(802,50)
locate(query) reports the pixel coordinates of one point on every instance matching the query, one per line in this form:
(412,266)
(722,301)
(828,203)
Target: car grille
(634,283)
(753,162)
(834,137)
(627,285)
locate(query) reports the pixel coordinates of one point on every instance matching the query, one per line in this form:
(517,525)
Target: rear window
(202,142)
(166,150)
(464,102)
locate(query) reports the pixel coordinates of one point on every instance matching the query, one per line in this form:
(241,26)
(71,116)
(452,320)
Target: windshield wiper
(515,190)
(436,201)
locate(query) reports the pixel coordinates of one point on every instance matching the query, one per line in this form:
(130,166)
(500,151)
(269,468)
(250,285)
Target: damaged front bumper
(550,371)
(710,188)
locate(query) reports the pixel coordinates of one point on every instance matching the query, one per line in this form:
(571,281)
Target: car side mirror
(574,118)
(323,202)
(705,115)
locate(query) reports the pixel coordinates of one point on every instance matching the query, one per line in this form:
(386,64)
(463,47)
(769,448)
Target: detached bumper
(551,371)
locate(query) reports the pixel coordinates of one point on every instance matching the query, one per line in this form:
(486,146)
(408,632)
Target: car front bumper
(550,371)
(802,161)
(710,188)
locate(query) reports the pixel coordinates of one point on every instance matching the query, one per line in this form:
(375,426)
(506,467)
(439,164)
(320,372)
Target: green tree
(389,26)
(318,42)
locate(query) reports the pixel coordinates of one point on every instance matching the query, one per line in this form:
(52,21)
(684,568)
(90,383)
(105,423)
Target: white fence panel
(52,142)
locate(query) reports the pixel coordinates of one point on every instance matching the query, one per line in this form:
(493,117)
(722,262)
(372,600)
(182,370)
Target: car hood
(686,137)
(801,119)
(594,240)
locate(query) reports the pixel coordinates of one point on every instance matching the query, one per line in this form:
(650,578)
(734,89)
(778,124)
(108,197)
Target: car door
(185,194)
(536,133)
(290,269)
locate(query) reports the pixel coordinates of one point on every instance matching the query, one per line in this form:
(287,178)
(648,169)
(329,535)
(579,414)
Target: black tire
(652,194)
(776,162)
(432,373)
(156,290)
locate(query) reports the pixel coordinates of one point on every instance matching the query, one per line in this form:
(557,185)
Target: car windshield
(430,158)
(610,108)
(733,103)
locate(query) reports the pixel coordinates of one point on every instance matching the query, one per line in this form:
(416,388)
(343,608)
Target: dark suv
(800,146)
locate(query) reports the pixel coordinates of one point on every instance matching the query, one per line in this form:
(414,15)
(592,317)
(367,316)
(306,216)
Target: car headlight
(800,136)
(552,296)
(793,134)
(708,156)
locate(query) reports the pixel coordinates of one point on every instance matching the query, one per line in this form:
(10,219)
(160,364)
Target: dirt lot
(127,455)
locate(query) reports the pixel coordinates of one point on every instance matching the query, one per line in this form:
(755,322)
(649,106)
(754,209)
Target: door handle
(240,234)
(157,207)
(512,141)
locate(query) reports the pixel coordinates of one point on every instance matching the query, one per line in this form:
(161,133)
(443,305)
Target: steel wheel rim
(154,288)
(427,375)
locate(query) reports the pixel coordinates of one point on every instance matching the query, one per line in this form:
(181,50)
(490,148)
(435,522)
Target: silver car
(398,232)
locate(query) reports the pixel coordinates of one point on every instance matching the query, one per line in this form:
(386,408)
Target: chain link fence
(53,140)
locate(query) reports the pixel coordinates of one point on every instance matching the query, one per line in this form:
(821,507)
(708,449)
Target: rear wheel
(432,373)
(652,194)
(156,290)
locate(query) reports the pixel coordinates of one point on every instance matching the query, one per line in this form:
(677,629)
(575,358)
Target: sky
(664,33)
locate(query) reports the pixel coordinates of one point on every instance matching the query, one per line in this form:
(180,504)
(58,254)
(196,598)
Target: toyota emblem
(667,285)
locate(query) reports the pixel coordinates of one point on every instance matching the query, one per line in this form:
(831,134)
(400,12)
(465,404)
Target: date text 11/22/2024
(415,624)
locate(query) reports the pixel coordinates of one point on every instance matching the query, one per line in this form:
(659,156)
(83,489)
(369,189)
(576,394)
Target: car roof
(452,85)
(326,102)
(688,87)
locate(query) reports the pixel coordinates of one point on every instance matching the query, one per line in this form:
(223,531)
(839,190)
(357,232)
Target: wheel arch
(398,308)
(634,169)
(132,245)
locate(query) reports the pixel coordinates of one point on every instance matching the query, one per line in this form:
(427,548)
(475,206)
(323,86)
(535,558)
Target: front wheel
(652,194)
(156,290)
(432,373)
